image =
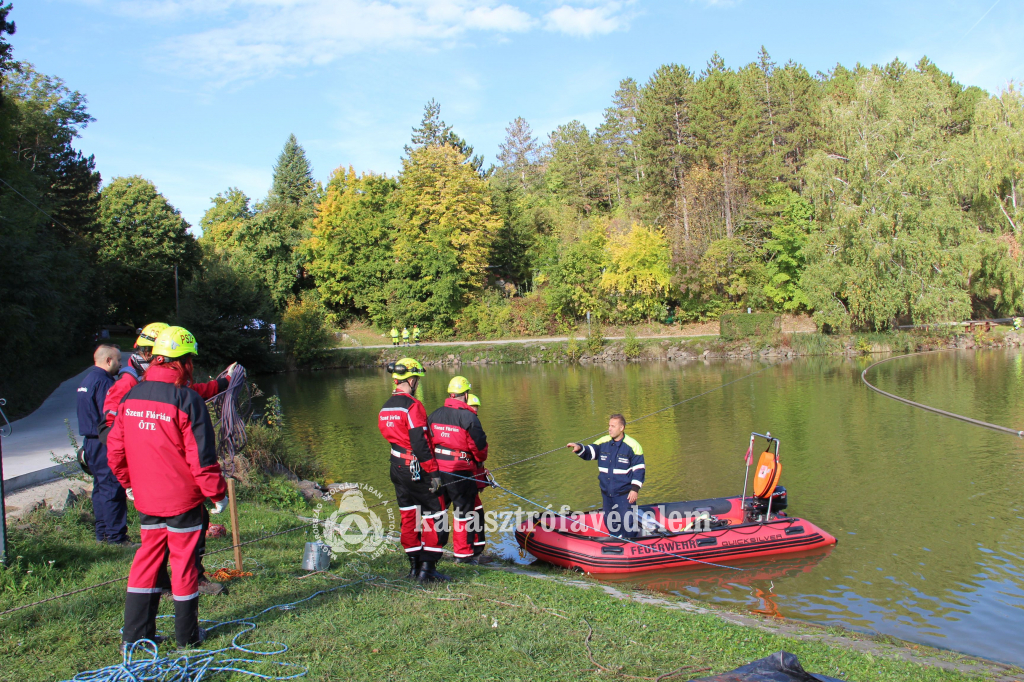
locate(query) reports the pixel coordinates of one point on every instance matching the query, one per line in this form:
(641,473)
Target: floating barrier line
(944,413)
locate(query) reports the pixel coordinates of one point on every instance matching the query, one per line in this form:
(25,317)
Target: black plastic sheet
(781,666)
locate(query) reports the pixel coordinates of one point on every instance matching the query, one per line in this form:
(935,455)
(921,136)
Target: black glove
(435,484)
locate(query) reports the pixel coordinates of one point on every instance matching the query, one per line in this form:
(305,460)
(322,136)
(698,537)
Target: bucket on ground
(316,557)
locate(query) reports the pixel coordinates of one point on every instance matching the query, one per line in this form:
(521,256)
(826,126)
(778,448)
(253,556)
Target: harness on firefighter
(414,469)
(454,454)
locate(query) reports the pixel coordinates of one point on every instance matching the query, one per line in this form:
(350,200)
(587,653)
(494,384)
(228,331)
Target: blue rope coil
(142,661)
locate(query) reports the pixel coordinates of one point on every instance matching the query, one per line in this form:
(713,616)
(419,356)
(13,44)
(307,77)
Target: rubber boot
(429,574)
(414,568)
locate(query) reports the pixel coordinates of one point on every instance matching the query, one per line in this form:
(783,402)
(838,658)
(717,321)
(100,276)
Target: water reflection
(927,510)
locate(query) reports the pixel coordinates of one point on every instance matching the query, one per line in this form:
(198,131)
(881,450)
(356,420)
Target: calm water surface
(927,510)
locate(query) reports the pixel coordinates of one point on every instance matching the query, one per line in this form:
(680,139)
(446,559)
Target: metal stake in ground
(233,506)
(3,515)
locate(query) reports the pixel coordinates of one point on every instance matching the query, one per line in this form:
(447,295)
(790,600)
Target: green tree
(638,273)
(620,133)
(667,143)
(575,278)
(229,312)
(304,330)
(519,154)
(352,258)
(791,221)
(897,242)
(445,226)
(434,132)
(293,176)
(576,172)
(141,240)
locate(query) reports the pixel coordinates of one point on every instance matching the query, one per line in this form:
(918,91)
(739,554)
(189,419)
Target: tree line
(866,196)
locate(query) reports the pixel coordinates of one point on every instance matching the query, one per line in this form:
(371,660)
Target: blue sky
(200,95)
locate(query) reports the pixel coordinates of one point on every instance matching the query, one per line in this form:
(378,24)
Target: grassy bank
(599,349)
(488,625)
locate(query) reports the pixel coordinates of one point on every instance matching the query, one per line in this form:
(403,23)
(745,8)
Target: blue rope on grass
(142,661)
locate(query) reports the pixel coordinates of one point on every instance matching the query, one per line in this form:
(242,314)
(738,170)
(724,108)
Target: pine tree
(620,132)
(519,152)
(293,176)
(434,132)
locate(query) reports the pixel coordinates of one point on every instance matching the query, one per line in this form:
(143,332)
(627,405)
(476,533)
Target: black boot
(414,568)
(429,574)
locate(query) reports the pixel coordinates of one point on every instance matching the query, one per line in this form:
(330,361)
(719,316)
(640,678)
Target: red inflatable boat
(680,534)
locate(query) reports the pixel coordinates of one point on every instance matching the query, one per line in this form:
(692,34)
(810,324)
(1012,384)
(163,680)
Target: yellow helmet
(459,385)
(473,401)
(148,334)
(406,368)
(175,342)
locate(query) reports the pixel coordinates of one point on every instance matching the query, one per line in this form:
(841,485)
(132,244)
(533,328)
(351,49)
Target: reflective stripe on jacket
(403,423)
(620,464)
(458,437)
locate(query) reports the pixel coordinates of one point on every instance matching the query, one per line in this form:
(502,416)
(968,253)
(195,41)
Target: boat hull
(590,550)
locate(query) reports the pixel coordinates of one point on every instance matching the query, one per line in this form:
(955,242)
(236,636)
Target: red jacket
(129,380)
(163,447)
(459,439)
(403,423)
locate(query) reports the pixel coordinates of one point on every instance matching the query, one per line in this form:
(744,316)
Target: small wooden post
(233,505)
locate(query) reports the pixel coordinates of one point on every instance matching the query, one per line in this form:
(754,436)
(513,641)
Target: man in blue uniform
(109,503)
(620,471)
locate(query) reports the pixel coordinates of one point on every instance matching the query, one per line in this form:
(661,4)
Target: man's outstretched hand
(575,447)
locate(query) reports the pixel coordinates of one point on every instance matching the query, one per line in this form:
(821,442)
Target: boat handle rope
(951,415)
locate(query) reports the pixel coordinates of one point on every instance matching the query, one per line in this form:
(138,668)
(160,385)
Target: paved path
(532,339)
(27,451)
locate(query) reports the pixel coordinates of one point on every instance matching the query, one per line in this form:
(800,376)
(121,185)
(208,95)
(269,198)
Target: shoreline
(586,351)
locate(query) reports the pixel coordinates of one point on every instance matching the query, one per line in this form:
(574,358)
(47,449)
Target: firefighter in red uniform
(162,446)
(403,423)
(131,374)
(479,540)
(460,446)
(129,377)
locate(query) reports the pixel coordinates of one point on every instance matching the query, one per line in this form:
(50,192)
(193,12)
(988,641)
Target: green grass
(488,625)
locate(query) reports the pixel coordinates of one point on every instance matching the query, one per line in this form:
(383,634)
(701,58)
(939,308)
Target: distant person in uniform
(620,472)
(416,334)
(394,336)
(109,502)
(405,336)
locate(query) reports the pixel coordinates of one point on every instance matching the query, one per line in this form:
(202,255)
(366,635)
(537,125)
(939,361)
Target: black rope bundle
(230,406)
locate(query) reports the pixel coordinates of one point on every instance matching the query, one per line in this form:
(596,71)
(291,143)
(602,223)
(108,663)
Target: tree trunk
(728,198)
(686,224)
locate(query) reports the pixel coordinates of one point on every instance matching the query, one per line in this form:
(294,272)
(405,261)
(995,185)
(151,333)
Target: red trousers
(424,532)
(179,535)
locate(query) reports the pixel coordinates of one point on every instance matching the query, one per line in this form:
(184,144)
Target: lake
(927,510)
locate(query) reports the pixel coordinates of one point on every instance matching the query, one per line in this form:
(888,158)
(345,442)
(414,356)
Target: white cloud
(586,21)
(253,38)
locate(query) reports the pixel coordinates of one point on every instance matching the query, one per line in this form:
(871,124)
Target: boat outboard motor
(758,506)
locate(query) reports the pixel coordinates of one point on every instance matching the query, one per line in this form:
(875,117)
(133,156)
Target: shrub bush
(304,331)
(738,325)
(633,348)
(595,341)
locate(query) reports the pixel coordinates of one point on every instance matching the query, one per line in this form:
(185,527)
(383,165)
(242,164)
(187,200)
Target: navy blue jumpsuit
(109,503)
(620,469)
